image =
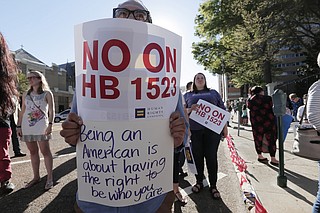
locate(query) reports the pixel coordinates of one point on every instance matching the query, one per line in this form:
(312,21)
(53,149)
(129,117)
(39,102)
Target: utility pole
(279,109)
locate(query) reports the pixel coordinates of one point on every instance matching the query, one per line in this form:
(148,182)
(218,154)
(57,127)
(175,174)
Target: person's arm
(71,126)
(21,112)
(300,112)
(193,107)
(220,104)
(50,101)
(177,128)
(189,108)
(71,129)
(179,125)
(313,103)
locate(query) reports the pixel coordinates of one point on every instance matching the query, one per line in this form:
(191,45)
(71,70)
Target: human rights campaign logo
(140,112)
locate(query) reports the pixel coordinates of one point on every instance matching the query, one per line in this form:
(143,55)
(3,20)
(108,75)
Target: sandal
(180,198)
(263,160)
(32,183)
(49,185)
(215,193)
(197,188)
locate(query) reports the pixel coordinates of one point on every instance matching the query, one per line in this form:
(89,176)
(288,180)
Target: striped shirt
(313,105)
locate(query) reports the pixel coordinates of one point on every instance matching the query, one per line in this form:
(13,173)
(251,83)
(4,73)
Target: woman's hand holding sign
(71,128)
(193,107)
(177,128)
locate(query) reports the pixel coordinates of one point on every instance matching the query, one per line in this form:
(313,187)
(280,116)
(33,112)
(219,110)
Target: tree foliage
(242,37)
(23,83)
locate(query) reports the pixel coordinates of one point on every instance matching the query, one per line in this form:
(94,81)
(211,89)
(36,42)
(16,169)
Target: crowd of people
(34,126)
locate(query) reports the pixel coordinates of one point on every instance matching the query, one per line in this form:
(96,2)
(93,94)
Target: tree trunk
(267,71)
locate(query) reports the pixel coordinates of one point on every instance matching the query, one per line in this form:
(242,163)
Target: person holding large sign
(125,96)
(204,142)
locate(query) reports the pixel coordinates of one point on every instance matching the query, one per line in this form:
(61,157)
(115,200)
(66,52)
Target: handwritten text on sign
(122,163)
(210,116)
(127,80)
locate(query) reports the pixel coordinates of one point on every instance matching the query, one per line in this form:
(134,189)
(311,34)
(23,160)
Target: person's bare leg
(35,159)
(35,163)
(48,160)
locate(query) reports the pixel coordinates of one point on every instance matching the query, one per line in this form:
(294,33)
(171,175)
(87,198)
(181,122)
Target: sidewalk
(302,175)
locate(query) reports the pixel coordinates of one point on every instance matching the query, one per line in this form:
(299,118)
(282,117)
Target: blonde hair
(44,86)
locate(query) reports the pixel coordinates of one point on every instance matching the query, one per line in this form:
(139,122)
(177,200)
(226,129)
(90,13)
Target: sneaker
(183,174)
(7,187)
(20,154)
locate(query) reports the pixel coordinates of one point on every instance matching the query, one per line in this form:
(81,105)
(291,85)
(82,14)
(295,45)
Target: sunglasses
(140,15)
(32,77)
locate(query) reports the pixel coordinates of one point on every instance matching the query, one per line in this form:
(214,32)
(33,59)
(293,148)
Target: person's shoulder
(314,89)
(266,96)
(48,92)
(213,91)
(315,85)
(187,94)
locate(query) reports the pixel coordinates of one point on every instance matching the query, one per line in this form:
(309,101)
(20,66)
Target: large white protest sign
(210,116)
(127,75)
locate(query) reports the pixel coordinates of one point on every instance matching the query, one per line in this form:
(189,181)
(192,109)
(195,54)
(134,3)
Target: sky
(45,28)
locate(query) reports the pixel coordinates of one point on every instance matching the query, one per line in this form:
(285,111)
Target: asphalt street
(62,196)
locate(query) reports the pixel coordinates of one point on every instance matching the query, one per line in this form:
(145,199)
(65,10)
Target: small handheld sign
(210,116)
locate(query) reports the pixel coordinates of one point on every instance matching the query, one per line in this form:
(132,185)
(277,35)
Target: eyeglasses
(140,15)
(32,77)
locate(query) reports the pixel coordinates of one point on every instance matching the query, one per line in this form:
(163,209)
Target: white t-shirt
(300,112)
(313,109)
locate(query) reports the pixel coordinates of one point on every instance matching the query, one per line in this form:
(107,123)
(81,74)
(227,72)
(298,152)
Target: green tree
(23,82)
(242,37)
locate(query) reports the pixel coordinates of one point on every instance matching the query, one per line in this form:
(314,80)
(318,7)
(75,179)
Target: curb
(250,197)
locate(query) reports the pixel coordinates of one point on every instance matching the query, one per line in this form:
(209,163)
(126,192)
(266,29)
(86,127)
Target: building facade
(56,76)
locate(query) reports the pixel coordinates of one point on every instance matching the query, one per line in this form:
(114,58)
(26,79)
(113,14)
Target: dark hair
(305,96)
(194,87)
(189,84)
(256,90)
(8,80)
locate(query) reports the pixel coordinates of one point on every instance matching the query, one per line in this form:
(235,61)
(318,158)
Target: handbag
(307,140)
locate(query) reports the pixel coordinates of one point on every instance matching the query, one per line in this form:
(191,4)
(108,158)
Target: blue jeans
(316,205)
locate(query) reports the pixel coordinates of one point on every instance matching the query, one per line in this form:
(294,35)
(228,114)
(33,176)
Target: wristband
(18,127)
